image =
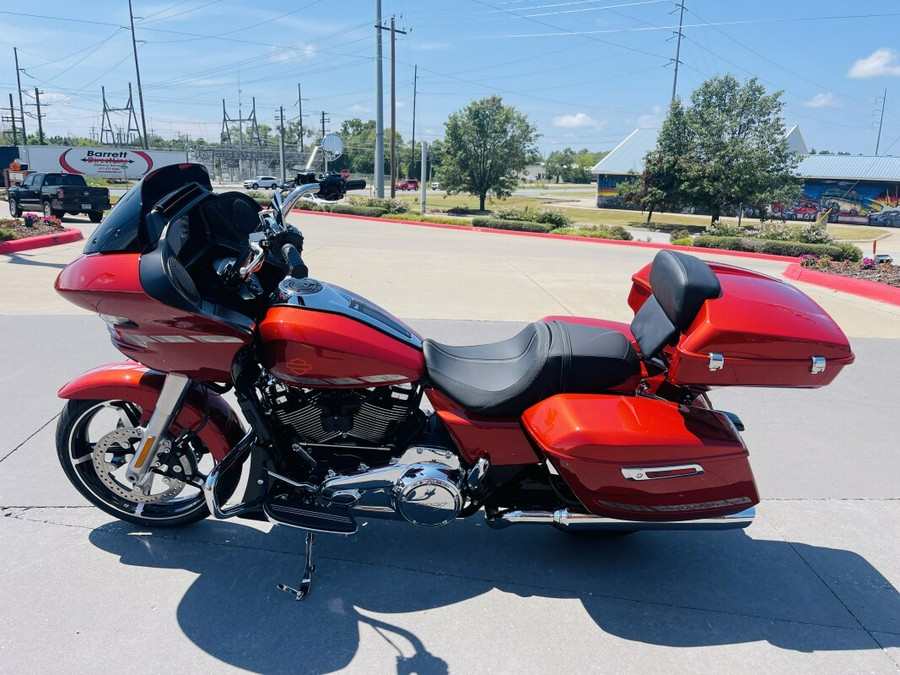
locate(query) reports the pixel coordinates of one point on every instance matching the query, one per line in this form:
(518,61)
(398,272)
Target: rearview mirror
(332,146)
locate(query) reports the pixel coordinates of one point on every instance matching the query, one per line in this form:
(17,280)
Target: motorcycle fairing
(130,381)
(642,458)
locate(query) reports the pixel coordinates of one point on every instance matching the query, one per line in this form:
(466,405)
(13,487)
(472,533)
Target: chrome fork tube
(156,434)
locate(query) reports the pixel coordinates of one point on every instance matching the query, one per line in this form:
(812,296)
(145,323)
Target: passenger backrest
(680,284)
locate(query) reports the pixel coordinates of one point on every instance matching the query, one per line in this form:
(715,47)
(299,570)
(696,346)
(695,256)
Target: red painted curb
(69,235)
(567,237)
(866,289)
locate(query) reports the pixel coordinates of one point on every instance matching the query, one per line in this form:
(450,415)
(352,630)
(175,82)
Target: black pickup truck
(56,194)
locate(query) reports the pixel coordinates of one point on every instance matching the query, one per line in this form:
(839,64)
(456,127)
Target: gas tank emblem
(298,366)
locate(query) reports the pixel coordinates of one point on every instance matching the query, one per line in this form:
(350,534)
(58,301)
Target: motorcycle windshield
(125,229)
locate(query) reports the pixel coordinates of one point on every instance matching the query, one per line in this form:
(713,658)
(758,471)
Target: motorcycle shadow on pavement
(674,589)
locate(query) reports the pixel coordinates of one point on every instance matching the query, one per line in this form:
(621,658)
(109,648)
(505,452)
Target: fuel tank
(322,336)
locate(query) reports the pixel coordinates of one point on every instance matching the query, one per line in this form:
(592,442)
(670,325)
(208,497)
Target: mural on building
(849,202)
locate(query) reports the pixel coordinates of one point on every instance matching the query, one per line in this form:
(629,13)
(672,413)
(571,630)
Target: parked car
(407,184)
(435,185)
(261,181)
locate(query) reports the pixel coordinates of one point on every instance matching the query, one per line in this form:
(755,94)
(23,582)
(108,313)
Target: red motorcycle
(578,423)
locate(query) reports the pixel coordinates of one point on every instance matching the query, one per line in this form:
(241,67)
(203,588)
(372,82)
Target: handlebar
(296,267)
(355,185)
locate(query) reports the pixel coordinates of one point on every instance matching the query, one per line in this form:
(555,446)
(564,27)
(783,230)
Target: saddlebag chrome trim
(818,365)
(567,520)
(660,472)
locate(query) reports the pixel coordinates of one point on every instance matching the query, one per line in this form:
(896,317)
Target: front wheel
(95,441)
(255,186)
(14,209)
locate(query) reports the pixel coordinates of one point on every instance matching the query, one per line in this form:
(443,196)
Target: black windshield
(124,230)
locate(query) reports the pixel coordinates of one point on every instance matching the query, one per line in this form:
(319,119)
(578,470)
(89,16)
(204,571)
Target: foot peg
(305,583)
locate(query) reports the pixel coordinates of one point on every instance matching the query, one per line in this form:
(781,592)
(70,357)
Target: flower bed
(866,269)
(16,228)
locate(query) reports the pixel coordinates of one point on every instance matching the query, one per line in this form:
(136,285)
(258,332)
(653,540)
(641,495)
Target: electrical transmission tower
(240,120)
(108,135)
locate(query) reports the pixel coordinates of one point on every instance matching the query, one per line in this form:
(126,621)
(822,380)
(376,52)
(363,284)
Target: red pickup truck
(56,194)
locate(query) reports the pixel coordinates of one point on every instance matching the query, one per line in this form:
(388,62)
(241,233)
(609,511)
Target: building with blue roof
(855,189)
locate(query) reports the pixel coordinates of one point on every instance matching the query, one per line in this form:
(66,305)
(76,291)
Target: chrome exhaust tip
(564,519)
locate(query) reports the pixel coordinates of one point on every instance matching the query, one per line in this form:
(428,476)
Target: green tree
(485,147)
(728,148)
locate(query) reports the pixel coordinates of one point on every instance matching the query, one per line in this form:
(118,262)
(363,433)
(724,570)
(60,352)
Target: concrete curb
(548,235)
(861,287)
(69,235)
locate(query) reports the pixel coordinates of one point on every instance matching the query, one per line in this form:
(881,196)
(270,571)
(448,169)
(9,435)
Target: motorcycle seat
(545,358)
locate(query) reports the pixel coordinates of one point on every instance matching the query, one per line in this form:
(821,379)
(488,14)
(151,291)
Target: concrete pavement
(809,587)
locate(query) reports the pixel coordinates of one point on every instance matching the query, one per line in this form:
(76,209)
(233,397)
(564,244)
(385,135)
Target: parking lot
(810,587)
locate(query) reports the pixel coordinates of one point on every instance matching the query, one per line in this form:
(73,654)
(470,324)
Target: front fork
(156,434)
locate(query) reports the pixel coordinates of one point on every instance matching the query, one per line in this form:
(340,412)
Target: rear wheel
(48,210)
(95,441)
(95,216)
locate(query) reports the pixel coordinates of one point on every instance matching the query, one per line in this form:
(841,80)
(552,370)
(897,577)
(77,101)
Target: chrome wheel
(95,441)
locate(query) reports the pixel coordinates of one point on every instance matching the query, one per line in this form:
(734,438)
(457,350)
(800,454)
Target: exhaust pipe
(564,519)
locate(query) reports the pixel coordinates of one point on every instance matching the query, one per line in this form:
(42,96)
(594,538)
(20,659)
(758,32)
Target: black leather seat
(505,378)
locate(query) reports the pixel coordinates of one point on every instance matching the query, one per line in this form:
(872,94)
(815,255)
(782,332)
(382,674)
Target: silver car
(261,182)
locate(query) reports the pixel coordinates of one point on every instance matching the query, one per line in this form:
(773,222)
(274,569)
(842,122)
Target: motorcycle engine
(351,421)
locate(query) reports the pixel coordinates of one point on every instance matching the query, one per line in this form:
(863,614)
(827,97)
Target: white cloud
(357,108)
(576,121)
(307,51)
(653,119)
(827,100)
(882,62)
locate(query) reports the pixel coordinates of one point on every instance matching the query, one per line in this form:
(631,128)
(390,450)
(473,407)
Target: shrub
(814,233)
(465,222)
(7,235)
(599,232)
(519,225)
(308,205)
(351,210)
(458,211)
(683,241)
(793,249)
(677,235)
(387,205)
(554,218)
(723,229)
(515,213)
(777,231)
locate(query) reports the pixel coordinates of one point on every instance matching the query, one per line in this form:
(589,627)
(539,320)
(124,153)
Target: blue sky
(586,72)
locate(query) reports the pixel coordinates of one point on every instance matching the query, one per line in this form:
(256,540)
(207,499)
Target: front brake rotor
(121,444)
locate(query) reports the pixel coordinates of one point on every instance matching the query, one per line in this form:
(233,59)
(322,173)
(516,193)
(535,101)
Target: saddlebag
(641,458)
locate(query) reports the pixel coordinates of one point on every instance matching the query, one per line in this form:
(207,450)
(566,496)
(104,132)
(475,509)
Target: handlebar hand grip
(296,267)
(355,184)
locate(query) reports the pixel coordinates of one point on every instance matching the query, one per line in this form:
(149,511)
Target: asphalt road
(810,587)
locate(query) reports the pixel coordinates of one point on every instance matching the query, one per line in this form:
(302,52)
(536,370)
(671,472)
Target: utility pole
(137,70)
(412,154)
(379,106)
(424,185)
(37,102)
(322,143)
(394,30)
(21,104)
(880,122)
(12,118)
(300,105)
(393,110)
(281,143)
(678,47)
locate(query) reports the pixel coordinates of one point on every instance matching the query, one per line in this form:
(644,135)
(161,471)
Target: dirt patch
(883,273)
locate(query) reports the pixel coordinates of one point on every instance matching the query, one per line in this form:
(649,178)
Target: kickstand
(306,581)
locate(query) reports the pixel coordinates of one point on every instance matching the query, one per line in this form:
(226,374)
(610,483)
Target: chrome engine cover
(424,487)
(429,495)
